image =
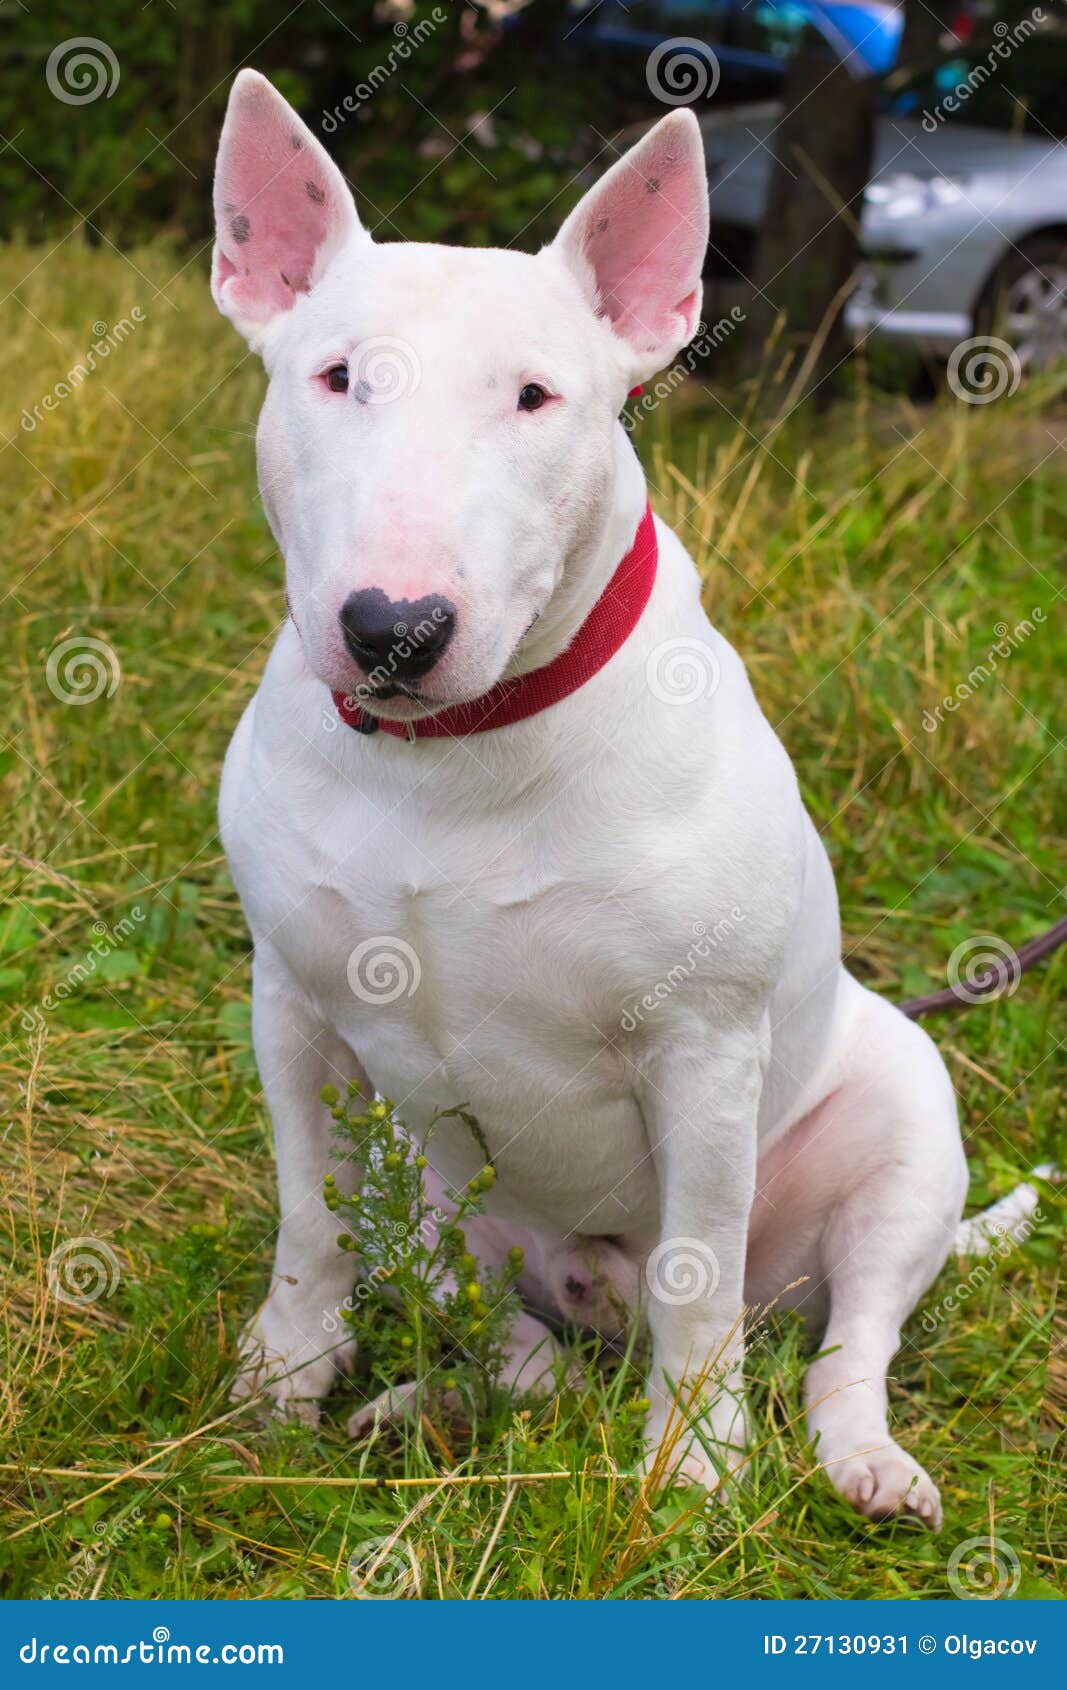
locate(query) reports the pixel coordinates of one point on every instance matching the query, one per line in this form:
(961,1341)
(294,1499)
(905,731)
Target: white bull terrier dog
(615,925)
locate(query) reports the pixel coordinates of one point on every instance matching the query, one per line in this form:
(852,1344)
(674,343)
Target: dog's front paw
(289,1368)
(885,1482)
(696,1440)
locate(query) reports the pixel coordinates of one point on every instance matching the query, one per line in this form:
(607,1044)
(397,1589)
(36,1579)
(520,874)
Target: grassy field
(865,563)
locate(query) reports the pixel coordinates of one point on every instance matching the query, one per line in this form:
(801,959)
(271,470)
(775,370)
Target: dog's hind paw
(397,1406)
(389,1408)
(883,1483)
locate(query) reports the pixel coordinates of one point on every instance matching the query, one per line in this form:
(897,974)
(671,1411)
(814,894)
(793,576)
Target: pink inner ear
(644,232)
(279,200)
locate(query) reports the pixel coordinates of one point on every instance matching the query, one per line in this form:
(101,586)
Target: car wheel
(1025,302)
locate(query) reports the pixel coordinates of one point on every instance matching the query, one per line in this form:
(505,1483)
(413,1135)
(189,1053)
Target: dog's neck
(588,567)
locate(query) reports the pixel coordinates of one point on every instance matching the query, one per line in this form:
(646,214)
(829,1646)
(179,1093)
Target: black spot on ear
(652,185)
(285,278)
(294,141)
(602,225)
(314,193)
(240,229)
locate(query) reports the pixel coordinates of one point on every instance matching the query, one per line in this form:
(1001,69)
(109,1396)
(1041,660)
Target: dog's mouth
(369,697)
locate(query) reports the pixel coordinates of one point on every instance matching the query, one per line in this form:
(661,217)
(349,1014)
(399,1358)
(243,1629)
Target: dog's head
(439,440)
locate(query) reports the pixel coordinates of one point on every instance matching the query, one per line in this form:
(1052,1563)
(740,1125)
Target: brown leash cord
(1033,951)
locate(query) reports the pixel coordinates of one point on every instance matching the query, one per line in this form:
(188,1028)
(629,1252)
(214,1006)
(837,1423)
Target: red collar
(610,622)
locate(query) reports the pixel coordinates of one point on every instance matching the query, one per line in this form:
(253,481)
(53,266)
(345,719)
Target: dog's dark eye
(532,397)
(337,378)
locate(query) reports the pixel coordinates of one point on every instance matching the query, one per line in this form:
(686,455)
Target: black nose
(396,639)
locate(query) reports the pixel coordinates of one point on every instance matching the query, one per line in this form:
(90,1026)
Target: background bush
(488,120)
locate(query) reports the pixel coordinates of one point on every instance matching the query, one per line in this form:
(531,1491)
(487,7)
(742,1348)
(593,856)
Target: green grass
(862,562)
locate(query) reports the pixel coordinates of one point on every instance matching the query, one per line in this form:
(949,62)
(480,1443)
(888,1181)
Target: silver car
(965,220)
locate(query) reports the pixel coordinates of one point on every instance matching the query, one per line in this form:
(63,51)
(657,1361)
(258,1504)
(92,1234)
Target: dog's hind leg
(886,1145)
(291,1349)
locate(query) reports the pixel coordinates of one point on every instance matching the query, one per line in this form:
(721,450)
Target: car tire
(1025,302)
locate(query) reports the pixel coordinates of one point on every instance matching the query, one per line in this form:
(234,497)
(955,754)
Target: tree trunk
(924,25)
(808,249)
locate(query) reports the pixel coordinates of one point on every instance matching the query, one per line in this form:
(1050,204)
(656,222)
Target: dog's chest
(480,947)
(490,970)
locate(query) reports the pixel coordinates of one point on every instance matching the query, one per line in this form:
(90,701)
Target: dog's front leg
(296,1343)
(700,1105)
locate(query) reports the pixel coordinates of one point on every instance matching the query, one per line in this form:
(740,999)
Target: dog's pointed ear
(638,239)
(282,209)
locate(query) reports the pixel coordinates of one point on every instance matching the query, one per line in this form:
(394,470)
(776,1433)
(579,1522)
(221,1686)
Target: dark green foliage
(409,139)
